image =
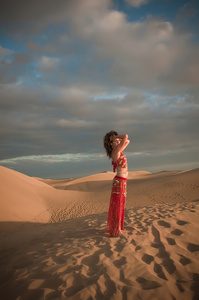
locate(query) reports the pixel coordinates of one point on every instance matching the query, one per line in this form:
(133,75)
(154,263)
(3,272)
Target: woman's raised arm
(123,142)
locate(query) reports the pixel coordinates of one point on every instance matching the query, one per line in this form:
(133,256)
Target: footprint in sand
(179,285)
(193,247)
(164,224)
(181,222)
(147,258)
(159,271)
(138,248)
(120,262)
(184,260)
(177,232)
(171,241)
(194,286)
(133,242)
(167,262)
(155,245)
(119,246)
(147,284)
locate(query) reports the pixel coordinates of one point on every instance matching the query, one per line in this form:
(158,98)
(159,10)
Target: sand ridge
(70,256)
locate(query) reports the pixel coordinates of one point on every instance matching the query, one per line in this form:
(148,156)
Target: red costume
(116,211)
(121,162)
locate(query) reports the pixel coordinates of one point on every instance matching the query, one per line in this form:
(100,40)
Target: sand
(53,243)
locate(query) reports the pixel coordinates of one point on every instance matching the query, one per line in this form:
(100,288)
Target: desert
(54,245)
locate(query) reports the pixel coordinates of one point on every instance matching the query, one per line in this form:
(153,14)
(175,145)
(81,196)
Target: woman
(114,144)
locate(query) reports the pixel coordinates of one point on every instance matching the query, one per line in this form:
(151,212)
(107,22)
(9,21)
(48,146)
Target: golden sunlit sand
(53,243)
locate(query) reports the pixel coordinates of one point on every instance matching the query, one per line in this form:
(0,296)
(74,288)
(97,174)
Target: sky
(70,71)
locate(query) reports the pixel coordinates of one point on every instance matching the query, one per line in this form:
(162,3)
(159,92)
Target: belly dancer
(114,144)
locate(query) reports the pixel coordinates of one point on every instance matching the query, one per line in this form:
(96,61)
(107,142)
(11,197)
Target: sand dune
(54,245)
(22,197)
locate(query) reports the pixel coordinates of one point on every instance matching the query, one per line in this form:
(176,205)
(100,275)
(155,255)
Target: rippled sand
(53,243)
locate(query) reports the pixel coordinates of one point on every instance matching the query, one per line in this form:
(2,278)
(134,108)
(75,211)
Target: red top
(121,162)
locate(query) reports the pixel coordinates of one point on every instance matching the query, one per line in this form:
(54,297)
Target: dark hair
(108,142)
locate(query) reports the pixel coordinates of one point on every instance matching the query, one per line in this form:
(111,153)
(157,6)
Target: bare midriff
(122,172)
(121,166)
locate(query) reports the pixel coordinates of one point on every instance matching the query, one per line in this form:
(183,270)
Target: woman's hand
(121,142)
(121,136)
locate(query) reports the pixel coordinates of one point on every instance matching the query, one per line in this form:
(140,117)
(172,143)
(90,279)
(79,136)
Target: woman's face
(115,142)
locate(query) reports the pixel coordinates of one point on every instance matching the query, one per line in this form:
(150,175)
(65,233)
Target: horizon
(92,174)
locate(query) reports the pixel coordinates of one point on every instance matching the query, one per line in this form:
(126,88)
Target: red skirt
(116,211)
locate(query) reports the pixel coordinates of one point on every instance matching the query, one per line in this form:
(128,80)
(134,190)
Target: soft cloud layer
(136,3)
(72,70)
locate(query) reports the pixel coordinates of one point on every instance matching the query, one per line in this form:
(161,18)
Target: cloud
(68,121)
(82,69)
(48,64)
(146,53)
(95,39)
(38,16)
(73,124)
(136,3)
(76,157)
(4,52)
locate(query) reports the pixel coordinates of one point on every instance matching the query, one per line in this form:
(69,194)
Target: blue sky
(70,71)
